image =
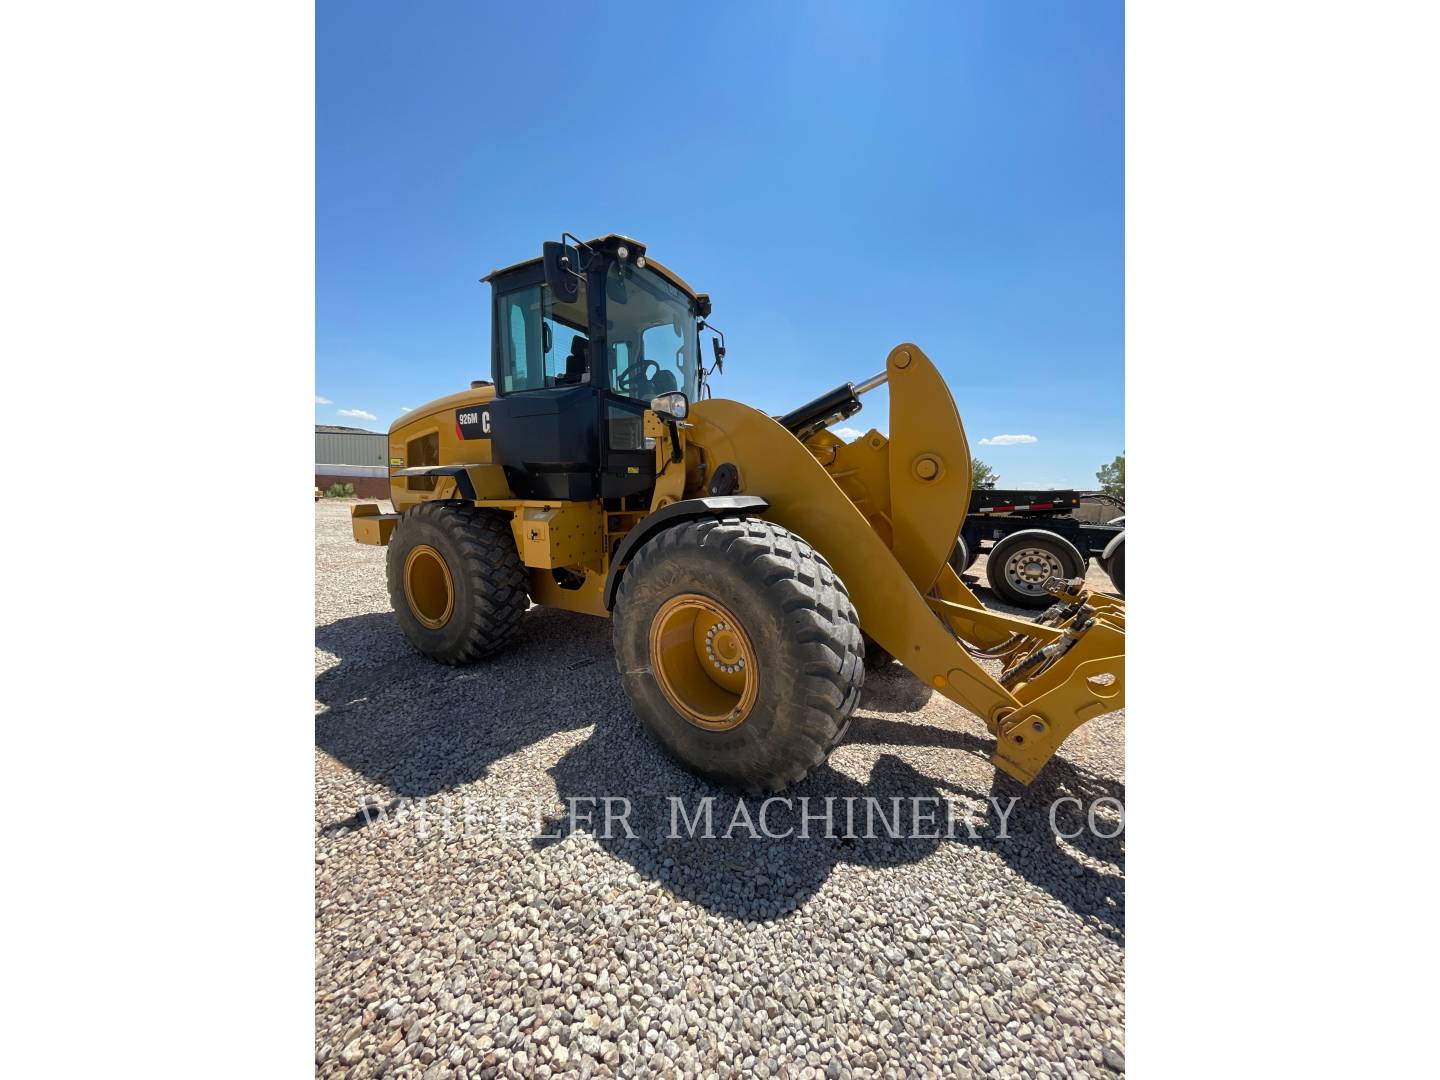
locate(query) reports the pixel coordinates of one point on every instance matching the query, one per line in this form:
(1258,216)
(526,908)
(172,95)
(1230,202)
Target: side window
(521,345)
(565,352)
(541,343)
(517,339)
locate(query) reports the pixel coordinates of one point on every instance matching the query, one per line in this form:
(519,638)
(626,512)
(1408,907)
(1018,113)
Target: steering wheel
(627,379)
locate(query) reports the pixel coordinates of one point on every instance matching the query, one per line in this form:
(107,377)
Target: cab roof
(610,240)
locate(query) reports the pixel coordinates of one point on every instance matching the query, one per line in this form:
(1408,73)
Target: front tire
(456,581)
(740,651)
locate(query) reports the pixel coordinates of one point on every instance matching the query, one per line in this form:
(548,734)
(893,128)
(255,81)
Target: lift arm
(885,512)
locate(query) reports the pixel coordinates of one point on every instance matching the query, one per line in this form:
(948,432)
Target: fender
(674,514)
(1115,542)
(473,483)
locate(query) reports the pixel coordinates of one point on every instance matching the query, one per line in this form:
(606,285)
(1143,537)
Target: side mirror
(561,275)
(672,406)
(719,355)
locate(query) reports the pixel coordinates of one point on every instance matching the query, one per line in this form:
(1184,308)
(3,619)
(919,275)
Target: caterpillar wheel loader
(752,566)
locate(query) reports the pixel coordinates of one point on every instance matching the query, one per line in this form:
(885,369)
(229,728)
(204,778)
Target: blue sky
(840,177)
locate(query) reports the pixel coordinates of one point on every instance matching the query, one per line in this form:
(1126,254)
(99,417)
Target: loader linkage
(1060,683)
(1033,682)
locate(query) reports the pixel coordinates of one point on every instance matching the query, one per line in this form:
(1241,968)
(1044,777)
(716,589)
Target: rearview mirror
(561,275)
(719,355)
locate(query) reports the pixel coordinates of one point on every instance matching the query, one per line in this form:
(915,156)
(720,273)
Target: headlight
(671,406)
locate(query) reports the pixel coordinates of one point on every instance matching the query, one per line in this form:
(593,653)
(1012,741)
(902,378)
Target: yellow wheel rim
(704,662)
(428,588)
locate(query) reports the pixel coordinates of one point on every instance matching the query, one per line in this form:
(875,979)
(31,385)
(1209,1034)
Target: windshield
(650,326)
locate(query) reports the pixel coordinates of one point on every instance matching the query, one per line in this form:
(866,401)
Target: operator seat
(575,362)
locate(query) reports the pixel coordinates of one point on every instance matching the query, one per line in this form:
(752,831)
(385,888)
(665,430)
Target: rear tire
(456,581)
(774,695)
(1020,563)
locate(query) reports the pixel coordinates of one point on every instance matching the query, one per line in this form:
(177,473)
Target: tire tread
(490,569)
(814,604)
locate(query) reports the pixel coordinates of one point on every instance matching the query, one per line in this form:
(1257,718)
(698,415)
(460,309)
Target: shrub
(335,490)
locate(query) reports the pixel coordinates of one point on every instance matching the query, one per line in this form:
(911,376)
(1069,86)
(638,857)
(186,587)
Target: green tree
(1112,477)
(981,475)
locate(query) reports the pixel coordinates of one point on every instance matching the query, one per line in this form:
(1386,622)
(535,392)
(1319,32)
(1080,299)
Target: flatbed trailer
(1032,535)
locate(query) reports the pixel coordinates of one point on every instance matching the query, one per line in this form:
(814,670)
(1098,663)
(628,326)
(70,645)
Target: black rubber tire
(804,630)
(876,655)
(1072,564)
(489,580)
(961,559)
(1115,566)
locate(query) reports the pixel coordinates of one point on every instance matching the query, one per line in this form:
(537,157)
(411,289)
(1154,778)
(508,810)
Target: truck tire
(456,582)
(1020,563)
(1114,565)
(962,558)
(739,649)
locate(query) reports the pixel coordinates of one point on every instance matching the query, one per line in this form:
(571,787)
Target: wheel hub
(723,648)
(704,662)
(1030,569)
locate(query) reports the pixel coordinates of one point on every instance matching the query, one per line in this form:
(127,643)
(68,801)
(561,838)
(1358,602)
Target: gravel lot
(451,941)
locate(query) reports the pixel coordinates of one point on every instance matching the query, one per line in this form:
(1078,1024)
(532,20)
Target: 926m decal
(473,422)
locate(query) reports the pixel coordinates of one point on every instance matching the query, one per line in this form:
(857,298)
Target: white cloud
(323,400)
(1007,440)
(404,408)
(849,434)
(358,414)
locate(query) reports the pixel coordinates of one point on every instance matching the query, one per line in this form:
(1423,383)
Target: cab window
(542,344)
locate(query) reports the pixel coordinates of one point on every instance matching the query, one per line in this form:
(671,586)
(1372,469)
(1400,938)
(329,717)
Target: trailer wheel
(455,581)
(1021,563)
(739,649)
(1115,565)
(962,558)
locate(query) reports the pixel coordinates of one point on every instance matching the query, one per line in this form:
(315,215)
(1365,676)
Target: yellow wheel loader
(751,564)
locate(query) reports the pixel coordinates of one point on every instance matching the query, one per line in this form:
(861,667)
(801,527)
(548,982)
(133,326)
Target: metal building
(348,446)
(345,455)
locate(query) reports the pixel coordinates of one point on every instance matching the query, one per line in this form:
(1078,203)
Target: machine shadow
(760,878)
(1081,867)
(419,728)
(893,689)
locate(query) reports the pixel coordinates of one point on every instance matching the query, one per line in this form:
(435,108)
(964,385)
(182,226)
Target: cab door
(627,466)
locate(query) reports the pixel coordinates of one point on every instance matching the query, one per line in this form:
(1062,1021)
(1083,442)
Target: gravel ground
(455,940)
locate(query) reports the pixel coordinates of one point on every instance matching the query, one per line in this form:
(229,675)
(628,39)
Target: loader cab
(579,349)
